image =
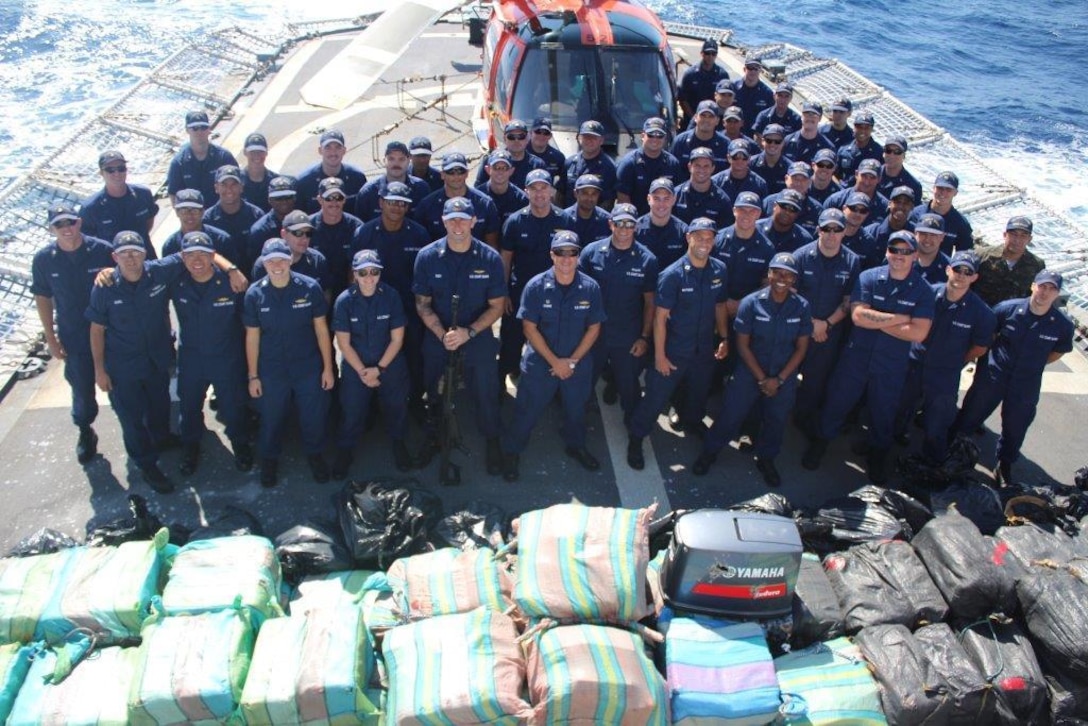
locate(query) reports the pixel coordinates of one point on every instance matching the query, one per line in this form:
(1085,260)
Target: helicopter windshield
(620,87)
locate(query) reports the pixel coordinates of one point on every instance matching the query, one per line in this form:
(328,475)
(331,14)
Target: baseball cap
(824,155)
(419,146)
(747,199)
(565,238)
(842,104)
(458,208)
(855,199)
(188,199)
(964,258)
(755,61)
(896,140)
(812,107)
(454,160)
(500,156)
(297,221)
(725,86)
(331,136)
(654,125)
(933,223)
(624,211)
(196,120)
(397,192)
(1049,276)
(947,179)
(784,88)
(275,249)
(106,157)
(588,181)
(330,185)
(542,123)
(799,167)
(128,240)
(832,216)
(783,261)
(710,46)
(591,128)
(701,152)
(903,236)
(902,191)
(774,130)
(1019,222)
(515,124)
(790,198)
(707,107)
(738,146)
(864,117)
(700,224)
(255,142)
(197,242)
(366,258)
(662,182)
(734,112)
(281,186)
(869,166)
(228,171)
(61,212)
(396,146)
(538,176)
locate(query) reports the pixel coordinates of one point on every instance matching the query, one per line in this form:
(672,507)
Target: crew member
(232,213)
(591,159)
(803,144)
(334,232)
(958,232)
(705,134)
(368,202)
(585,218)
(507,197)
(781,227)
(744,250)
(659,230)
(931,262)
(699,82)
(193,167)
(798,180)
(281,202)
(257,176)
(864,146)
(865,180)
(739,177)
(639,167)
(119,206)
(516,135)
(699,196)
(454,184)
(780,113)
(419,148)
(555,162)
(733,128)
(893,174)
(750,93)
(1005,271)
(900,203)
(189,209)
(331,147)
(838,130)
(297,231)
(823,172)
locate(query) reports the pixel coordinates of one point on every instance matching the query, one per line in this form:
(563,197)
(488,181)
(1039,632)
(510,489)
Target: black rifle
(449,432)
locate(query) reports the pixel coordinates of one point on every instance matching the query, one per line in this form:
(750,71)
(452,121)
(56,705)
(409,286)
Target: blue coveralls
(588,230)
(935,365)
(211,352)
(371,322)
(958,233)
(690,294)
(563,314)
(774,175)
(335,242)
(530,238)
(506,203)
(311,264)
(713,203)
(188,172)
(838,138)
(773,329)
(746,260)
(824,282)
(624,276)
(851,155)
(1013,375)
(139,352)
(104,216)
(752,100)
(790,120)
(477,276)
(685,141)
(256,192)
(603,165)
(67,277)
(636,171)
(667,242)
(873,361)
(289,362)
(308,182)
(398,251)
(732,186)
(368,203)
(522,167)
(262,230)
(794,239)
(798,148)
(236,225)
(221,243)
(429,213)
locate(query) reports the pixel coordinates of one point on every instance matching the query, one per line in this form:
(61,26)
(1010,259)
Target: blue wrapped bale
(331,590)
(828,683)
(14,663)
(213,574)
(449,581)
(95,694)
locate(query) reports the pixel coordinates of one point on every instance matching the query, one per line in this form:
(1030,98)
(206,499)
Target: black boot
(269,473)
(769,471)
(243,455)
(814,454)
(87,445)
(635,459)
(156,479)
(340,464)
(318,468)
(703,463)
(510,467)
(494,456)
(877,465)
(190,459)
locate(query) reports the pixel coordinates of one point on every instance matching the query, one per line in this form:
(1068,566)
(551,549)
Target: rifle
(449,432)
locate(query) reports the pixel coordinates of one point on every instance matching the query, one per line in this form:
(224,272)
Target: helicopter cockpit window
(638,86)
(504,76)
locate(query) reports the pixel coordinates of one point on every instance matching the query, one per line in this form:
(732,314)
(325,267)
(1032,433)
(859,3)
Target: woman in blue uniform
(368,320)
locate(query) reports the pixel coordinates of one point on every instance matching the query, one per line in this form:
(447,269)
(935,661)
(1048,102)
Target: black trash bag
(1080,478)
(477,525)
(425,501)
(817,616)
(1004,656)
(855,520)
(769,503)
(1068,700)
(1054,603)
(881,583)
(1043,503)
(1028,544)
(972,696)
(977,501)
(312,548)
(43,542)
(380,522)
(958,465)
(142,525)
(969,570)
(910,512)
(231,522)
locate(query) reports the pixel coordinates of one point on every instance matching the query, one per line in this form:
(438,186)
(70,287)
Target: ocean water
(1005,77)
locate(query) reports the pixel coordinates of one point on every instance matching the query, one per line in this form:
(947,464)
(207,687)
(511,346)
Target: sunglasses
(893,151)
(739,156)
(306,233)
(624,224)
(63,223)
(963,271)
(825,165)
(773,142)
(516,137)
(859,209)
(565,253)
(115,169)
(655,134)
(832,230)
(788,209)
(542,132)
(368,272)
(335,198)
(456,172)
(395,202)
(900,251)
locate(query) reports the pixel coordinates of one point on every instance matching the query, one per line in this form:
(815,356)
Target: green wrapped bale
(27,585)
(215,574)
(311,669)
(14,663)
(828,683)
(331,590)
(449,581)
(95,694)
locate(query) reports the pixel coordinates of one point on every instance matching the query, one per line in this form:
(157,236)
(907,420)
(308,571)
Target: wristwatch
(573,364)
(471,332)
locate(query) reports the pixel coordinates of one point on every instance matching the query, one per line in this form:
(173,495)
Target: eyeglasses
(307,233)
(516,137)
(963,271)
(456,172)
(893,151)
(825,165)
(832,230)
(859,209)
(900,251)
(542,132)
(773,142)
(63,223)
(335,198)
(565,253)
(655,134)
(368,272)
(624,224)
(115,169)
(739,156)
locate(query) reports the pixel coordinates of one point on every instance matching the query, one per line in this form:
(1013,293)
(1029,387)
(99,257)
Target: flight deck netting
(980,185)
(700,32)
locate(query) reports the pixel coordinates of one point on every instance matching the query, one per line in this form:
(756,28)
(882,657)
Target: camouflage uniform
(996,282)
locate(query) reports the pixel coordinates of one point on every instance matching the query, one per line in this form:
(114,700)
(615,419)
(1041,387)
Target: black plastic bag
(972,696)
(42,542)
(910,512)
(967,568)
(380,522)
(769,503)
(880,583)
(1028,544)
(231,522)
(958,465)
(1068,700)
(1006,659)
(976,501)
(855,520)
(1080,478)
(1054,603)
(311,549)
(141,525)
(477,525)
(817,616)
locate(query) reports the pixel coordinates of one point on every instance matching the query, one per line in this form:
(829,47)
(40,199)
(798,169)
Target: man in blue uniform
(257,176)
(803,144)
(211,352)
(516,136)
(958,232)
(745,251)
(690,312)
(193,167)
(699,81)
(132,350)
(332,148)
(827,271)
(781,227)
(838,131)
(61,278)
(639,167)
(891,307)
(661,232)
(526,241)
(232,213)
(864,146)
(798,180)
(900,203)
(771,164)
(893,174)
(865,181)
(823,172)
(1031,334)
(368,320)
(856,238)
(455,184)
(561,311)
(739,177)
(627,273)
(931,262)
(591,159)
(507,197)
(585,218)
(334,232)
(750,93)
(368,202)
(772,331)
(281,202)
(288,355)
(419,148)
(119,206)
(780,113)
(733,129)
(297,231)
(461,265)
(963,329)
(705,134)
(540,137)
(189,209)
(699,196)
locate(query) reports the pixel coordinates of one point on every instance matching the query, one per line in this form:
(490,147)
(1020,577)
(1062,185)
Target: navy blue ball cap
(654,126)
(734,112)
(624,211)
(538,176)
(790,198)
(331,136)
(366,258)
(896,140)
(1049,277)
(783,261)
(515,124)
(397,192)
(588,181)
(799,168)
(707,107)
(662,182)
(542,123)
(774,130)
(296,221)
(107,157)
(128,240)
(784,88)
(703,224)
(932,223)
(501,156)
(903,236)
(754,62)
(197,242)
(865,118)
(188,199)
(228,172)
(420,146)
(196,120)
(869,166)
(565,238)
(275,249)
(902,191)
(329,186)
(591,128)
(858,199)
(947,179)
(739,146)
(458,208)
(61,212)
(812,107)
(255,142)
(454,160)
(824,155)
(842,104)
(281,186)
(964,258)
(710,46)
(1020,223)
(394,146)
(725,86)
(832,217)
(747,199)
(701,152)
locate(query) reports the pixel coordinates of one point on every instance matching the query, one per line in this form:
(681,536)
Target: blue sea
(1006,77)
